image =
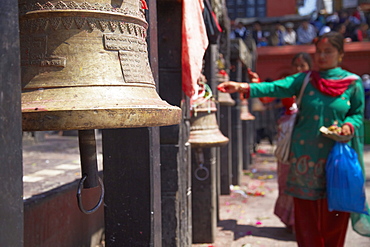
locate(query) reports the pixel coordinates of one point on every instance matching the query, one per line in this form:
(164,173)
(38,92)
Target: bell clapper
(89,168)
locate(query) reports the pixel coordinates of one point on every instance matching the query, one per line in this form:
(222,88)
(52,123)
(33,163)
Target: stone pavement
(246,215)
(51,162)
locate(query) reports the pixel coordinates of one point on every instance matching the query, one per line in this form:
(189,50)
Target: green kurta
(309,149)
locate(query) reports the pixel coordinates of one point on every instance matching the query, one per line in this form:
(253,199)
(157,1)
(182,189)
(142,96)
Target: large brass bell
(85,66)
(204,130)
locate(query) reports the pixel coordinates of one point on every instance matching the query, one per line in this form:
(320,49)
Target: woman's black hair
(305,56)
(335,39)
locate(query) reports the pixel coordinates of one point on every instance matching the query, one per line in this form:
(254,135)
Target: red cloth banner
(194,45)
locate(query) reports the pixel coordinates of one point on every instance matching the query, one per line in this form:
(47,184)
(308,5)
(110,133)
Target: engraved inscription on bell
(133,57)
(53,61)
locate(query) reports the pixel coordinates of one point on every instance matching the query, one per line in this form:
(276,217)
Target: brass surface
(204,130)
(225,99)
(85,66)
(244,111)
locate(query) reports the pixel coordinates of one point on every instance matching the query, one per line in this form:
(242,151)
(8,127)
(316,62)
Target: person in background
(332,95)
(329,26)
(333,18)
(258,35)
(318,20)
(277,35)
(241,31)
(290,36)
(343,17)
(359,14)
(284,206)
(354,17)
(360,33)
(366,84)
(306,33)
(342,29)
(265,118)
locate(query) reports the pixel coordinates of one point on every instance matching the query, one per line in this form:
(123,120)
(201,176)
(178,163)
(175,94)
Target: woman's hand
(230,87)
(253,76)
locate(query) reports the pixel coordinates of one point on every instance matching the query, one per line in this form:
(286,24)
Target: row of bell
(84,68)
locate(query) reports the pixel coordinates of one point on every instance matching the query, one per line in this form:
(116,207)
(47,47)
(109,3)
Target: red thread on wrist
(245,91)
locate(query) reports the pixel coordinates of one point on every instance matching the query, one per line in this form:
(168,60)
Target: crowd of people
(353,25)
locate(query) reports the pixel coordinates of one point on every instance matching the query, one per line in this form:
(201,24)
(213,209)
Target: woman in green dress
(333,95)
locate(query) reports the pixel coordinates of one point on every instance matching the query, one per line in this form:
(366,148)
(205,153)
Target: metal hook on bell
(199,156)
(89,168)
(79,196)
(200,168)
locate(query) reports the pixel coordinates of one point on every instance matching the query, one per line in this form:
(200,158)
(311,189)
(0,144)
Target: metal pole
(175,150)
(11,196)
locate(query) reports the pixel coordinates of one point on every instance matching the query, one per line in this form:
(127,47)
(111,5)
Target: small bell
(204,130)
(225,99)
(244,111)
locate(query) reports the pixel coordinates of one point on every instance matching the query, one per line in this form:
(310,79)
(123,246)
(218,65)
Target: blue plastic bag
(345,181)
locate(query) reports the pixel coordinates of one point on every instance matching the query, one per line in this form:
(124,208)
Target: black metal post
(11,196)
(247,129)
(225,110)
(131,159)
(225,151)
(204,195)
(175,150)
(237,143)
(245,141)
(210,71)
(132,184)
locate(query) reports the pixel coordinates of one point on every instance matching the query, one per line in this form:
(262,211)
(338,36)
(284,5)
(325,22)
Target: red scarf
(329,86)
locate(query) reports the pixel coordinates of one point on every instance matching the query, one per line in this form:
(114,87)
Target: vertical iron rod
(11,206)
(89,166)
